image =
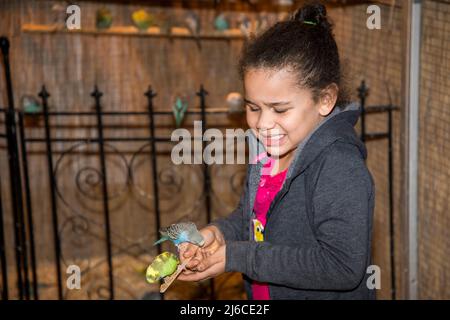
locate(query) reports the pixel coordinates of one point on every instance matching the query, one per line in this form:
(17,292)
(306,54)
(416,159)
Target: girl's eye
(280,111)
(252,109)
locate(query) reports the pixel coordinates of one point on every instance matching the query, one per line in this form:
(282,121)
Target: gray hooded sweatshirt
(317,238)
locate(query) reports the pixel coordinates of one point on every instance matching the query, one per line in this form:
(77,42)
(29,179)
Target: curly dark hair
(305,45)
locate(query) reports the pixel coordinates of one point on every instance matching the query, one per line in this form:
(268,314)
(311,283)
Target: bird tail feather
(161,240)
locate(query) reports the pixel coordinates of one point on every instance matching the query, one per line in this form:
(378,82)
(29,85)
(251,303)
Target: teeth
(278,136)
(274,137)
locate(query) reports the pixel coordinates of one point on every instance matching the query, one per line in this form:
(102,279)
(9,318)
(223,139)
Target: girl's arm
(343,206)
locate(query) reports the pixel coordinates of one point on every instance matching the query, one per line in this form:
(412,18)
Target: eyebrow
(269,104)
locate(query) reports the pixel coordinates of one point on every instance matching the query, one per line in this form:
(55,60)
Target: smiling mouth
(273,140)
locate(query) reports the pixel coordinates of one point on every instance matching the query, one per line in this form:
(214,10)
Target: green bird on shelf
(179,109)
(142,19)
(103,18)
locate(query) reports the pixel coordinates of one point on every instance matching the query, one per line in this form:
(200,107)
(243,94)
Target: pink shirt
(267,190)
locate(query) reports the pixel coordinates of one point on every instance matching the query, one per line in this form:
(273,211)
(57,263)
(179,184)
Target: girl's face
(280,113)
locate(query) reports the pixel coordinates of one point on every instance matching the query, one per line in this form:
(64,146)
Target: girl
(302,229)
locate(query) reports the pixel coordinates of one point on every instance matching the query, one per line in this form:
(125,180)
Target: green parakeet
(162,266)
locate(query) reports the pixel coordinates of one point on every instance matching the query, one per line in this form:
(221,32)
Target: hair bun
(315,13)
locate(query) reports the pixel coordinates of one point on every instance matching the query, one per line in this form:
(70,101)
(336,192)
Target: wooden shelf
(176,32)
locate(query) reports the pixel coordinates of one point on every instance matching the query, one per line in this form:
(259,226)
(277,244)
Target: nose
(265,121)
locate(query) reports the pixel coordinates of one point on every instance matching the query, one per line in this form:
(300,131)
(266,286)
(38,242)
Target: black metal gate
(18,142)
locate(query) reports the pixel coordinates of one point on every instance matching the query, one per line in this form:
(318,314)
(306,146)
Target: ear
(328,99)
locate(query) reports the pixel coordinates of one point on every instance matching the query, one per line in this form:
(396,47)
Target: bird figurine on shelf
(192,22)
(142,19)
(164,22)
(235,103)
(245,25)
(103,18)
(262,23)
(59,14)
(181,232)
(221,22)
(179,109)
(30,105)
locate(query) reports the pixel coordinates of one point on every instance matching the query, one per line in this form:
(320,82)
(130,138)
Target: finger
(208,236)
(188,250)
(193,264)
(211,260)
(182,246)
(199,256)
(197,276)
(187,272)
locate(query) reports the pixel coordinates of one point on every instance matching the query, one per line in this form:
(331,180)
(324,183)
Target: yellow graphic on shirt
(258,230)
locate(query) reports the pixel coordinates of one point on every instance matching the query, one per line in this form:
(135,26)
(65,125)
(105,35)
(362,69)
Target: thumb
(208,236)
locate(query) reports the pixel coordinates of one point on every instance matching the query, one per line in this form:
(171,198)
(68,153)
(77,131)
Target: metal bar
(30,224)
(207,182)
(3,263)
(379,109)
(57,244)
(132,113)
(150,94)
(391,207)
(15,180)
(97,95)
(160,139)
(376,136)
(362,94)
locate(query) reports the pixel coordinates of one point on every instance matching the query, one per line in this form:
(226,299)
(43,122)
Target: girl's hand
(209,267)
(213,241)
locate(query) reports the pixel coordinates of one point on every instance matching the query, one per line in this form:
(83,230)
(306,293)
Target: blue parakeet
(181,232)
